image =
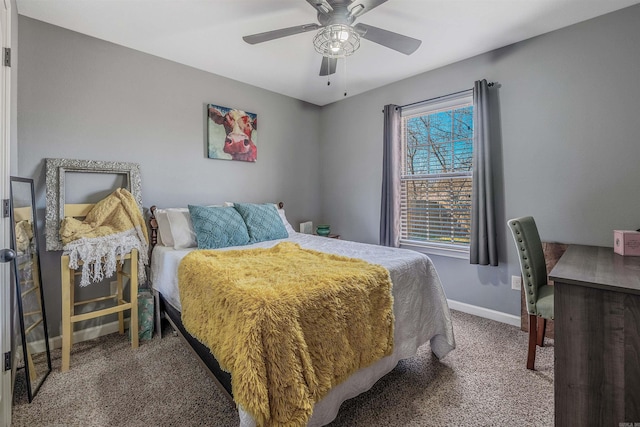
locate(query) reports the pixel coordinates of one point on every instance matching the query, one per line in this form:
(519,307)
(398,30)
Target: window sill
(452,251)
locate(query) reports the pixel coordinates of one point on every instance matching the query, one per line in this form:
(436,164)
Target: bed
(419,306)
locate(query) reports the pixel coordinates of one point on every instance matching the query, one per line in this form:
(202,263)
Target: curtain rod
(438,97)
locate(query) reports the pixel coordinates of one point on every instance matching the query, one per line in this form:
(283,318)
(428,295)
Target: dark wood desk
(597,337)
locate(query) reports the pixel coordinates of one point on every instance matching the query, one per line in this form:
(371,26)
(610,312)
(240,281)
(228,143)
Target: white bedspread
(420,308)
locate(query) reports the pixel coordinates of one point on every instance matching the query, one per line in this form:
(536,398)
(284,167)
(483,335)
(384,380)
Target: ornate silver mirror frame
(55,182)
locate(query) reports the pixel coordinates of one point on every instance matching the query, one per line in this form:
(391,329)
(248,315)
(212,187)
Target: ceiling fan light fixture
(336,41)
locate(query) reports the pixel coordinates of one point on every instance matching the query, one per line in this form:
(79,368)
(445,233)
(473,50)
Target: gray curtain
(390,206)
(483,246)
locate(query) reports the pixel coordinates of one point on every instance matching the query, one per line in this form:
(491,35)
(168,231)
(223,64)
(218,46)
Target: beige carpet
(483,382)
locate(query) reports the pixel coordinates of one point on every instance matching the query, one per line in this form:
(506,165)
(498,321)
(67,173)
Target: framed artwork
(232,134)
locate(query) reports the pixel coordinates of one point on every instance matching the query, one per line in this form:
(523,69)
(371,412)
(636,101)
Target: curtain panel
(483,247)
(390,205)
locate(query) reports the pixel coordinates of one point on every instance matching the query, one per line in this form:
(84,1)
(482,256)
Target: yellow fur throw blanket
(287,323)
(112,229)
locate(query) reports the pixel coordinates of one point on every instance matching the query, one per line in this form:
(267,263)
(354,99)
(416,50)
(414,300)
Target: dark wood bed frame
(173,316)
(162,309)
(221,378)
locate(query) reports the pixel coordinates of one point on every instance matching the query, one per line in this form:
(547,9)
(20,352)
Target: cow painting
(232,134)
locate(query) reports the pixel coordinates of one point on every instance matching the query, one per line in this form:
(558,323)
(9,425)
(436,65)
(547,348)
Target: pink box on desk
(626,242)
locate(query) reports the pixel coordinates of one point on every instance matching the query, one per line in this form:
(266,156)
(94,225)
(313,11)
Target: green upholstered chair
(538,293)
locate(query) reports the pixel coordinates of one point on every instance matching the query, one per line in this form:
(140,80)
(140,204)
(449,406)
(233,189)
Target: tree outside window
(437,174)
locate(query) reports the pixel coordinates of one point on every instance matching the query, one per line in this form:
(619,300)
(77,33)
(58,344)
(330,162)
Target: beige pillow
(283,217)
(175,228)
(164,230)
(184,236)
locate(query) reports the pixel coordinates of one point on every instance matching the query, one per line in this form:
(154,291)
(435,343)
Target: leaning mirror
(36,358)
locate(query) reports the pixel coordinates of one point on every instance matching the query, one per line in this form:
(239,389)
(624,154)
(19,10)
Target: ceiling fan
(336,37)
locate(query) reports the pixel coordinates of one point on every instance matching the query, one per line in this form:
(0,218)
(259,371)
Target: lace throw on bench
(113,228)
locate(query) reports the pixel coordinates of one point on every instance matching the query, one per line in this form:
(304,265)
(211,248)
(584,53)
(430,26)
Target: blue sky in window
(440,142)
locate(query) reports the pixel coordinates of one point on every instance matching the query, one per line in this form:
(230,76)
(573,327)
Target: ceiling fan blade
(395,41)
(364,6)
(328,66)
(276,34)
(321,6)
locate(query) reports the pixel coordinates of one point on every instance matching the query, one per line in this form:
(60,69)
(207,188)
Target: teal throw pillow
(218,227)
(263,221)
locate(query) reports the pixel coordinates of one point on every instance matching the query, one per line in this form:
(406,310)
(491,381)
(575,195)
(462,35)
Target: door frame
(6,396)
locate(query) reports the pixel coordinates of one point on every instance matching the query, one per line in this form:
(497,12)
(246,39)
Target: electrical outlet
(516,283)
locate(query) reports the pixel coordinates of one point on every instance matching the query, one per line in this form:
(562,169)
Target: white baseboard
(487,313)
(81,335)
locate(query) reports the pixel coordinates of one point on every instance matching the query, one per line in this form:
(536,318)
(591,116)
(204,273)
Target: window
(436,175)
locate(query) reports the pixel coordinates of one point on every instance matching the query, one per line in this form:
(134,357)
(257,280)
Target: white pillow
(287,226)
(283,217)
(184,236)
(164,230)
(175,228)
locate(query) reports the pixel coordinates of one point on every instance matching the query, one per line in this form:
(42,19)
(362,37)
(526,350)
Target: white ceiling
(207,34)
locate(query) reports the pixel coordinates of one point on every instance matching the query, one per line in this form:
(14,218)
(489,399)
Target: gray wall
(568,146)
(568,142)
(83,98)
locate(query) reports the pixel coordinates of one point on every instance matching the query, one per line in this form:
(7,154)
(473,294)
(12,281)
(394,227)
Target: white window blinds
(437,149)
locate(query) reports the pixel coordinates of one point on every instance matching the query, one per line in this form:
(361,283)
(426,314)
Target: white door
(5,143)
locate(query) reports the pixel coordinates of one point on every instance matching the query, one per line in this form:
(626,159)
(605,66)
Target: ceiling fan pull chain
(345,76)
